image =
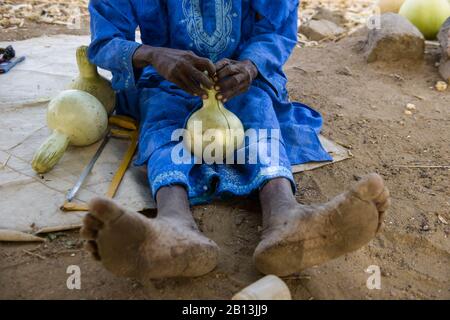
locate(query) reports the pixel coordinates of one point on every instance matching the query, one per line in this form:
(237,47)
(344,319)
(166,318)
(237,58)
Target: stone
(411,107)
(344,71)
(317,30)
(336,17)
(396,39)
(444,40)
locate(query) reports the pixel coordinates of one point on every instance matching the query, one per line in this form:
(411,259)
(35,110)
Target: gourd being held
(218,125)
(427,15)
(90,81)
(76,117)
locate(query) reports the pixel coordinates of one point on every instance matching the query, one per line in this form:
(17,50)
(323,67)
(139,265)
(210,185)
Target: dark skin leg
(296,236)
(131,245)
(172,202)
(275,208)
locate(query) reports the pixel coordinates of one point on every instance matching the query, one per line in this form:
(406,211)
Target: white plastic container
(267,288)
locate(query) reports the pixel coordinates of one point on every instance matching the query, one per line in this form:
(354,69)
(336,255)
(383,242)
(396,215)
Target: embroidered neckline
(211,45)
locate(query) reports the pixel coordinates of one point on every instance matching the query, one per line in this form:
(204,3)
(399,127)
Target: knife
(87,170)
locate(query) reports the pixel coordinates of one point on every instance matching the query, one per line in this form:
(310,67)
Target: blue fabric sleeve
(113,27)
(272,40)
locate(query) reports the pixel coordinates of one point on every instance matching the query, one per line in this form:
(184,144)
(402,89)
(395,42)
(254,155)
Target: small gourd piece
(76,117)
(90,81)
(218,125)
(390,5)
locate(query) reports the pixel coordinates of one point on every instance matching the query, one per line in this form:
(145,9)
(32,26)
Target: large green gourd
(427,15)
(90,81)
(218,124)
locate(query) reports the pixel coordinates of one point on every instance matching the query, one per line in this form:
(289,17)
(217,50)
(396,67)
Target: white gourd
(76,117)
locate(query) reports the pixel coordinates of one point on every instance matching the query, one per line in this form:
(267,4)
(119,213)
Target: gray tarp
(29,202)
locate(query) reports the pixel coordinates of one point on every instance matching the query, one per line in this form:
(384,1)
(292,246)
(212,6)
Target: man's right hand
(183,68)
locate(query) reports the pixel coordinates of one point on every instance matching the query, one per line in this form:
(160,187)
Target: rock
(397,39)
(317,30)
(411,107)
(344,71)
(336,17)
(444,40)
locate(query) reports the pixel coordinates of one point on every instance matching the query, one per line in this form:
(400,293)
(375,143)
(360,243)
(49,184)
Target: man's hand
(234,77)
(183,68)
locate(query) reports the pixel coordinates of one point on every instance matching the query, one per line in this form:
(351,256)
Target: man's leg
(296,236)
(129,244)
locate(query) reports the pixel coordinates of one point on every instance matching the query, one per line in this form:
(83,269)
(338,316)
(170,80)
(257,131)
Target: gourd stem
(212,101)
(85,67)
(50,152)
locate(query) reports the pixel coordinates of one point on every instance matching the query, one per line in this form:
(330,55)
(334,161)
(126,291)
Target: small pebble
(408,113)
(441,86)
(442,220)
(411,107)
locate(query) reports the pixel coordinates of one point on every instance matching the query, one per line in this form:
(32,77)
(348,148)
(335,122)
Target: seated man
(243,45)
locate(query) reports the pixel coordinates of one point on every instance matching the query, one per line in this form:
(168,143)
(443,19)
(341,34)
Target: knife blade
(73,192)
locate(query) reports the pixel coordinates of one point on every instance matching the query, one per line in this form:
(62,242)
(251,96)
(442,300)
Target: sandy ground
(363,106)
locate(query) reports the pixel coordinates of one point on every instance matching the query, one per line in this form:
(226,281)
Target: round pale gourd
(427,15)
(76,117)
(90,81)
(390,5)
(218,125)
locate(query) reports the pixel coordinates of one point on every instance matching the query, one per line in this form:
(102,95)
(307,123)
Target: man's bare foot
(304,236)
(131,245)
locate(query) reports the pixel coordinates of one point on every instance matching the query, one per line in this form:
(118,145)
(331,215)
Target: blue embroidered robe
(263,31)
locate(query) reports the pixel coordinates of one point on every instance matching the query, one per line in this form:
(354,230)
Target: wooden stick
(34,254)
(17,236)
(74,207)
(123,122)
(123,167)
(58,228)
(3,165)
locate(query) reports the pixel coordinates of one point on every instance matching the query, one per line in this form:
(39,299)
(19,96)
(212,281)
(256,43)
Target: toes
(105,210)
(382,202)
(90,228)
(382,207)
(92,247)
(369,188)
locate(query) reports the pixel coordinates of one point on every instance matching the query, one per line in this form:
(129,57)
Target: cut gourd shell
(17,236)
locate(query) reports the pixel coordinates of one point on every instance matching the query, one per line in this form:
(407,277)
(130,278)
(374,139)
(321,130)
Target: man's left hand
(233,78)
